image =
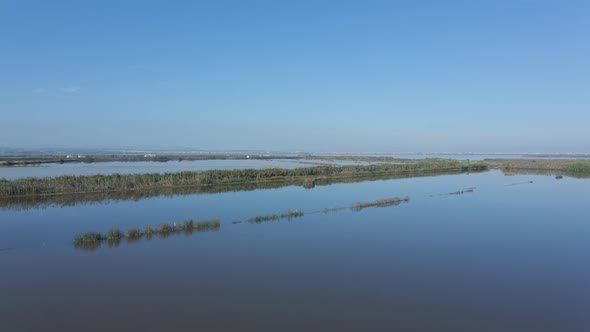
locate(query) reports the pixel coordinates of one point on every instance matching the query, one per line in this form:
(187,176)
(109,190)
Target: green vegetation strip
(90,240)
(132,182)
(380,203)
(93,240)
(573,167)
(272,217)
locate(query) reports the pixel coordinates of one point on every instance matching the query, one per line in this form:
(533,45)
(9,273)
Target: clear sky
(388,76)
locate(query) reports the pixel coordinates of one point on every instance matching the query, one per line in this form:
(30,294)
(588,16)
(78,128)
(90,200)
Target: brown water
(510,256)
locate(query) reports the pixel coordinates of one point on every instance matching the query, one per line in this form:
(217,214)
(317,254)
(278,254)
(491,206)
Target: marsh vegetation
(575,168)
(69,200)
(134,182)
(271,217)
(380,203)
(92,240)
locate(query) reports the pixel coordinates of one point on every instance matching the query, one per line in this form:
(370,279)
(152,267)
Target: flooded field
(467,252)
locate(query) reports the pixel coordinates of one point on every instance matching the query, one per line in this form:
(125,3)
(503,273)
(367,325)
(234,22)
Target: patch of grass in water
(149,231)
(88,237)
(271,217)
(380,203)
(133,234)
(114,235)
(92,240)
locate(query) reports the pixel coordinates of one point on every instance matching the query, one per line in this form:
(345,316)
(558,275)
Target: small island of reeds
(289,215)
(90,240)
(380,203)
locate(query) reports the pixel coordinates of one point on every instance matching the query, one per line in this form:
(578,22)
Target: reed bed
(510,166)
(91,240)
(380,203)
(134,182)
(289,215)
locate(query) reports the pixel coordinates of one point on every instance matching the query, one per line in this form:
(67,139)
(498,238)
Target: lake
(510,256)
(172,166)
(142,167)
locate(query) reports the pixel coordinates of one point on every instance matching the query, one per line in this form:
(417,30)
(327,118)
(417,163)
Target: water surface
(510,256)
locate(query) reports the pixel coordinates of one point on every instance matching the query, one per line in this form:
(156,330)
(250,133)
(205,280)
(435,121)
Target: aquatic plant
(149,231)
(212,224)
(88,238)
(380,203)
(164,229)
(114,235)
(188,225)
(133,233)
(271,217)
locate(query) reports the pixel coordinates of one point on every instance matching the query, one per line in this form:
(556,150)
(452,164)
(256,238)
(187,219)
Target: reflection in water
(499,259)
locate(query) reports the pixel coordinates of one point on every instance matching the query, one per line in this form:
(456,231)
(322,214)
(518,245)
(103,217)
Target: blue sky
(389,76)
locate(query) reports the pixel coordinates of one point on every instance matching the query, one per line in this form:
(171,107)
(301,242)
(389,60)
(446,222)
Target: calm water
(140,167)
(511,256)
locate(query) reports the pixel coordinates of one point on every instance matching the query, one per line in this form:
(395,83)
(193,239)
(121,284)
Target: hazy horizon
(302,76)
(191,150)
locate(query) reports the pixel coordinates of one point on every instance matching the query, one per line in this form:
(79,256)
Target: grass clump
(114,235)
(271,217)
(188,225)
(208,225)
(93,239)
(164,229)
(380,203)
(149,231)
(87,238)
(133,233)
